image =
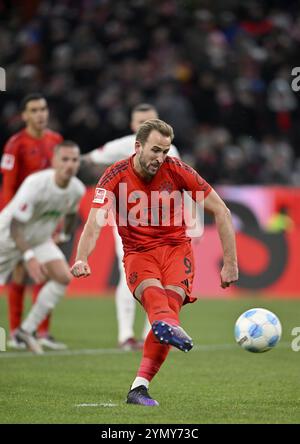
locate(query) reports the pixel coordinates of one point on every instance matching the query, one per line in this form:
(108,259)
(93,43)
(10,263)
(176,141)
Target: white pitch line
(101,404)
(117,351)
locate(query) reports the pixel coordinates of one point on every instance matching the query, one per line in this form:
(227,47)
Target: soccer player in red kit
(158,258)
(26,152)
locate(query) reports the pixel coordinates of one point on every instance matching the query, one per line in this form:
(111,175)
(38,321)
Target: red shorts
(172,265)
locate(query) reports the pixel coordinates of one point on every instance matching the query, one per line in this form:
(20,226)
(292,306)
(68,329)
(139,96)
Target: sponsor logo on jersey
(100,194)
(8,161)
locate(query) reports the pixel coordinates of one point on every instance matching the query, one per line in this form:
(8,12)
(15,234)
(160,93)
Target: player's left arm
(215,205)
(34,268)
(25,202)
(189,180)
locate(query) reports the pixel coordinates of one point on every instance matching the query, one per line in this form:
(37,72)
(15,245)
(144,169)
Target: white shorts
(9,258)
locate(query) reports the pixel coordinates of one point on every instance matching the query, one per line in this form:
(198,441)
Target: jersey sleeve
(189,180)
(109,153)
(25,200)
(105,192)
(10,166)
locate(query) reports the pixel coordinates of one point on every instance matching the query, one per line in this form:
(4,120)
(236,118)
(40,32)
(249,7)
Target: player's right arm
(103,203)
(10,169)
(87,242)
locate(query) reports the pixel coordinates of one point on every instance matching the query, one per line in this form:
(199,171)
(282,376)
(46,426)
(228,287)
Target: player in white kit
(108,154)
(27,224)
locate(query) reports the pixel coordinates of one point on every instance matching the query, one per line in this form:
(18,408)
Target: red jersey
(145,214)
(23,155)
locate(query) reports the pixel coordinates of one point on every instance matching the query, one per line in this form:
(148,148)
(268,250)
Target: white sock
(140,381)
(47,299)
(125,307)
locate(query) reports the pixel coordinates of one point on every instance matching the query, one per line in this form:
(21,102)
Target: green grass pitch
(217,382)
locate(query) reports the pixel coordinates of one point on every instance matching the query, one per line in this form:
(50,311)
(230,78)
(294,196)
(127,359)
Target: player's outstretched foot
(131,344)
(140,396)
(48,341)
(30,341)
(172,335)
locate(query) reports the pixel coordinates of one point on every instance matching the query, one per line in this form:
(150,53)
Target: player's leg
(177,279)
(162,309)
(154,355)
(16,293)
(153,297)
(125,309)
(43,328)
(9,258)
(144,278)
(176,291)
(57,271)
(125,305)
(163,313)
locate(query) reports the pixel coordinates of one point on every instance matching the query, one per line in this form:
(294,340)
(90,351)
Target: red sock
(154,355)
(162,305)
(43,328)
(175,301)
(155,303)
(15,305)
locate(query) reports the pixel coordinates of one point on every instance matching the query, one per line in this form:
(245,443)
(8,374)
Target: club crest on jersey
(100,194)
(133,277)
(8,161)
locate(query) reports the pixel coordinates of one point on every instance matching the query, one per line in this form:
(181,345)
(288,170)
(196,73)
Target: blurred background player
(27,225)
(108,154)
(26,152)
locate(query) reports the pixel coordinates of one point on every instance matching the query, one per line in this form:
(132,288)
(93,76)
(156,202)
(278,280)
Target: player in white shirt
(27,224)
(108,154)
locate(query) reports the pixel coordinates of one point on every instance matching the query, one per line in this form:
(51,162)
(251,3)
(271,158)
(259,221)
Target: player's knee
(179,290)
(64,279)
(144,285)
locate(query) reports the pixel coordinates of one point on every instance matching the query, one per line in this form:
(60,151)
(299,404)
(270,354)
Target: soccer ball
(257,330)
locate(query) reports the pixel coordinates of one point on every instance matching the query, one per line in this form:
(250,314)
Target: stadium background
(219,72)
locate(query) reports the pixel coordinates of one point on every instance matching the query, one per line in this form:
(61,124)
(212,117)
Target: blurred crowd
(218,71)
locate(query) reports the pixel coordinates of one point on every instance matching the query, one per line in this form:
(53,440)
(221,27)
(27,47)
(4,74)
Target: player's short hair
(29,98)
(143,107)
(153,124)
(65,144)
